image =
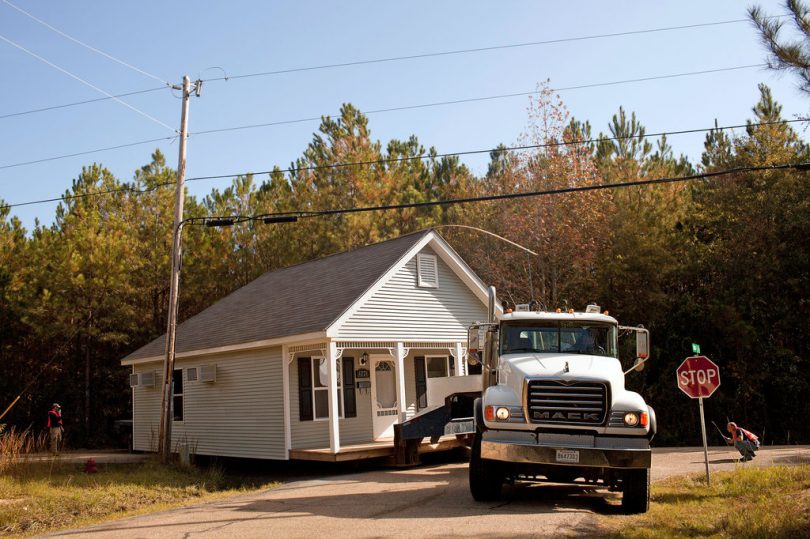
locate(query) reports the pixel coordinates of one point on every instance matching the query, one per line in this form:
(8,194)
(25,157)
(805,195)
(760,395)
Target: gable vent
(208,373)
(427,270)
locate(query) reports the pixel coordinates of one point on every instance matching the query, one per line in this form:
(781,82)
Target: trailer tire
(486,478)
(636,491)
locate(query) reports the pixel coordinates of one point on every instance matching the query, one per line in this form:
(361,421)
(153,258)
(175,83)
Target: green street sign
(695,348)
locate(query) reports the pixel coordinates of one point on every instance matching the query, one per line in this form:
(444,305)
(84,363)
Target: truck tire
(636,491)
(486,480)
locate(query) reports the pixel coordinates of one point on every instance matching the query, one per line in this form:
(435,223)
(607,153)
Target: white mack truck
(554,406)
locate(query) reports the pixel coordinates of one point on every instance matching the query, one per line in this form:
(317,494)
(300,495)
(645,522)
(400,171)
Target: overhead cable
(478,99)
(504,196)
(83,44)
(408,158)
(504,149)
(409,57)
(480,49)
(390,109)
(94,87)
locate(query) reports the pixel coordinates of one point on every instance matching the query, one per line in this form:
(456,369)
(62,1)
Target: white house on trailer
(319,357)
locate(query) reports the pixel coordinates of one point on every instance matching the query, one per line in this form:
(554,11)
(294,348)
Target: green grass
(42,497)
(747,503)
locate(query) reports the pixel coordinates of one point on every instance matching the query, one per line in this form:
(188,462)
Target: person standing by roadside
(55,428)
(745,441)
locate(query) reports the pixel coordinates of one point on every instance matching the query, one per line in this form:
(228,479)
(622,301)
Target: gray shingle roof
(304,298)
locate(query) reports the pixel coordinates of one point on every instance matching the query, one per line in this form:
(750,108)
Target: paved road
(423,502)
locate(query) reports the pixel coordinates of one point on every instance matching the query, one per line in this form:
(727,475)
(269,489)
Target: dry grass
(38,497)
(17,446)
(747,503)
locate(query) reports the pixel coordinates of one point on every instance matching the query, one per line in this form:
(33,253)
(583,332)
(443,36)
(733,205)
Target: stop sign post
(699,377)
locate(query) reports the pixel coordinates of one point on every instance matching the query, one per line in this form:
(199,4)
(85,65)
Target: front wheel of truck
(636,491)
(486,480)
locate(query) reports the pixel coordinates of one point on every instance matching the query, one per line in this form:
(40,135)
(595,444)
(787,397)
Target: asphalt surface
(428,501)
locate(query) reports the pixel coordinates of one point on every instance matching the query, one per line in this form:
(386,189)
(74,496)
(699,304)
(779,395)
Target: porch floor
(371,450)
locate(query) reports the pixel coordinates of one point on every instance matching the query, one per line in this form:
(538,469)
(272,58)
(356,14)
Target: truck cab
(554,405)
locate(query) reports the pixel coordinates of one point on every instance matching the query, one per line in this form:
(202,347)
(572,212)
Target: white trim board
(303,338)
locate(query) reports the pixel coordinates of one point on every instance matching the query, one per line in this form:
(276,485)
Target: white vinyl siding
(239,415)
(315,434)
(402,310)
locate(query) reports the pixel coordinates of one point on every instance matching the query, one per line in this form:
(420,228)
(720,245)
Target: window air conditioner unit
(208,373)
(142,379)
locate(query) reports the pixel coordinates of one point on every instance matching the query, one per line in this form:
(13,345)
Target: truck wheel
(486,481)
(636,491)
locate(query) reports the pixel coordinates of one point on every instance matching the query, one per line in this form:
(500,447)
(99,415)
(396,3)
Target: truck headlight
(631,419)
(502,413)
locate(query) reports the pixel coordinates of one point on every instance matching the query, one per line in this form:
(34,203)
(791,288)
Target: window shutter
(349,397)
(427,270)
(305,389)
(421,382)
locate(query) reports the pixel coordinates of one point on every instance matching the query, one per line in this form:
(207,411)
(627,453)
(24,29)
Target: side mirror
(474,342)
(642,345)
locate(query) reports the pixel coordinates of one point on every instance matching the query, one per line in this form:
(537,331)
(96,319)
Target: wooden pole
(165,431)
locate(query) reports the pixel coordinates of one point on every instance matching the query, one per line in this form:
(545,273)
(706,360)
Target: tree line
(722,262)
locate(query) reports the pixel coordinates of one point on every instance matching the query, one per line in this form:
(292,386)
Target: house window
(177,394)
(427,270)
(438,366)
(313,388)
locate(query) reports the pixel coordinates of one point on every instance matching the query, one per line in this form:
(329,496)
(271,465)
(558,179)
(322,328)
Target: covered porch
(345,399)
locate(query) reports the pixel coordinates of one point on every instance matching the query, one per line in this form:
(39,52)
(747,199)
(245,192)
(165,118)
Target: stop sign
(698,376)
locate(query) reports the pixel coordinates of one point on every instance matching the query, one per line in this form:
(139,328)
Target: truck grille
(580,403)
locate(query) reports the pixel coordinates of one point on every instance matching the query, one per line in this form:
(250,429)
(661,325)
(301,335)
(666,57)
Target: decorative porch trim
(316,347)
(431,345)
(357,345)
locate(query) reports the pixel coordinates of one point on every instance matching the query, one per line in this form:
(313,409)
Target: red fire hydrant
(90,466)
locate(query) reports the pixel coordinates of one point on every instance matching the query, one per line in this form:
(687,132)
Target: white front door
(384,405)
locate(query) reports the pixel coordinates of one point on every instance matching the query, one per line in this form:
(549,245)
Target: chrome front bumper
(590,451)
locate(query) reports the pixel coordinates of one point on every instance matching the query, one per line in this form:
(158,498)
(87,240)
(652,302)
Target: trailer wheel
(486,479)
(636,491)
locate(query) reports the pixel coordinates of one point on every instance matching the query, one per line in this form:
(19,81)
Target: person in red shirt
(55,428)
(745,441)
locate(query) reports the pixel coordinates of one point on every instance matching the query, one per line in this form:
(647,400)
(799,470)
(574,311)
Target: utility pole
(166,417)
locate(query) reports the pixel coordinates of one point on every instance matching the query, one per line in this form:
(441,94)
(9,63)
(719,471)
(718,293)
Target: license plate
(568,456)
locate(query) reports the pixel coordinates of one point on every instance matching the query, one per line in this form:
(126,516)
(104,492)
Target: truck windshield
(559,337)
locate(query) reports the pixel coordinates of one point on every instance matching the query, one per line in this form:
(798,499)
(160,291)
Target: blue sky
(170,39)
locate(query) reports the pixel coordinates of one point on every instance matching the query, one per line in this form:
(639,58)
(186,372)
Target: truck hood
(516,367)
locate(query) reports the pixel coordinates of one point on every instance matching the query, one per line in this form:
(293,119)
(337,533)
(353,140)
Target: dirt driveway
(425,501)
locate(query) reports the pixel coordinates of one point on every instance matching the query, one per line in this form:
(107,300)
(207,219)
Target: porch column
(400,360)
(334,416)
(461,365)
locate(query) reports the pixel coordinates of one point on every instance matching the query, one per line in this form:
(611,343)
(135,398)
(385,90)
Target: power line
(508,196)
(409,158)
(484,98)
(480,49)
(97,150)
(83,44)
(506,149)
(392,109)
(94,87)
(406,57)
(66,105)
